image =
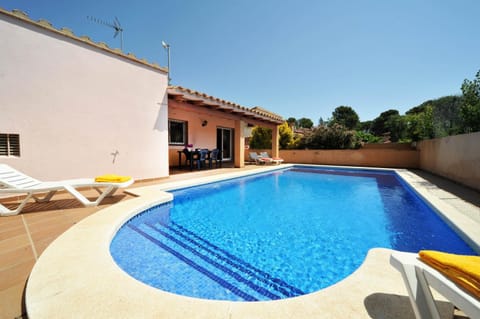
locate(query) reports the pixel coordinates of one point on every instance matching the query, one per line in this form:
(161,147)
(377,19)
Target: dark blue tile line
(196,266)
(234,262)
(242,269)
(294,290)
(236,276)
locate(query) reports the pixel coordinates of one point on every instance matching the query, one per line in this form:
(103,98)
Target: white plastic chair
(418,277)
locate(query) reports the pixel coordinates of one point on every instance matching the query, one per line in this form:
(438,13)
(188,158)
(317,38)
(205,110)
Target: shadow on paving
(391,306)
(461,191)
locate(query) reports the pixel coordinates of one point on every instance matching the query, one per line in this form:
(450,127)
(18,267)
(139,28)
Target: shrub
(332,137)
(368,138)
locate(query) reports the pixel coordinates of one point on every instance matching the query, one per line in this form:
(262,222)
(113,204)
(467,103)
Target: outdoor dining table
(192,155)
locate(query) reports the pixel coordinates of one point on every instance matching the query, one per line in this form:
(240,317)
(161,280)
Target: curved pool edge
(77,277)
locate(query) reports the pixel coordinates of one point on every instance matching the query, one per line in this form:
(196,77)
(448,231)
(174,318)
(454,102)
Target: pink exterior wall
(198,135)
(74,105)
(455,157)
(206,136)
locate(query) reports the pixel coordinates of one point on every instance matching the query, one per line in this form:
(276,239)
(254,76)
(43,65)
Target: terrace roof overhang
(254,114)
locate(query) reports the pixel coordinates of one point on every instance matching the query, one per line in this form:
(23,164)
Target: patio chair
(214,156)
(260,160)
(15,182)
(201,158)
(188,157)
(276,160)
(418,277)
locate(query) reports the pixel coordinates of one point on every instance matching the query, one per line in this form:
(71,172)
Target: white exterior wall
(74,105)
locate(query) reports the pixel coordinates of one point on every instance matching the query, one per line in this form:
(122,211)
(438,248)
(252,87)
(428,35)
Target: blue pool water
(276,235)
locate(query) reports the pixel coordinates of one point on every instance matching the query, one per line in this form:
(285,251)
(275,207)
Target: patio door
(225,142)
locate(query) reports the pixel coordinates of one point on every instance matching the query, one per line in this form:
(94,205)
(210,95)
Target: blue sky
(296,58)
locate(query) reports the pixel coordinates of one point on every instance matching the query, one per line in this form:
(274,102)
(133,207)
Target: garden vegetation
(448,115)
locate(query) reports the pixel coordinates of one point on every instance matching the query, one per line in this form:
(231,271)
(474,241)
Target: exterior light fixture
(166,46)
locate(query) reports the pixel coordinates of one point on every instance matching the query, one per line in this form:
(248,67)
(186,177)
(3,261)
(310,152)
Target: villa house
(71,107)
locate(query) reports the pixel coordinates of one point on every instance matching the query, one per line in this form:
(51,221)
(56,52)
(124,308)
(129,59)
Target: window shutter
(3,145)
(9,145)
(14,144)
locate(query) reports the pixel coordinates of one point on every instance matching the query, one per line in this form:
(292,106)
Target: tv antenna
(115,25)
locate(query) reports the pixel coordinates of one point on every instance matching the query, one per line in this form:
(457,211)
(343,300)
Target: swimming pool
(276,235)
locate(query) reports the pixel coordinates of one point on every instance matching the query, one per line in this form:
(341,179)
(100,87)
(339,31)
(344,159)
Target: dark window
(177,132)
(9,145)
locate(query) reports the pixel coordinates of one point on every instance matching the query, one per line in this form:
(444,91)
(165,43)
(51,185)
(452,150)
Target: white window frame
(184,133)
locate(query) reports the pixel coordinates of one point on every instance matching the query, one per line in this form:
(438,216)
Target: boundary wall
(373,155)
(454,157)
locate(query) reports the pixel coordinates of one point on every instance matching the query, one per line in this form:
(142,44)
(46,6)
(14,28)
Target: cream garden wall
(375,155)
(455,157)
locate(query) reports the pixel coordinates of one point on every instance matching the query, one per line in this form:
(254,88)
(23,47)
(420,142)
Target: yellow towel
(112,178)
(461,269)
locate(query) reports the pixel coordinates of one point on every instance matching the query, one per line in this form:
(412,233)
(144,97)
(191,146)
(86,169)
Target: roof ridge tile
(45,24)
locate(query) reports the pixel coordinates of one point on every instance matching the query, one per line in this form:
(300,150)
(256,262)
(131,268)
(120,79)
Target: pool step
(240,277)
(175,251)
(234,262)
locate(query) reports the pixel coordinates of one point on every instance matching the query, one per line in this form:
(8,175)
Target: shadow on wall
(161,122)
(390,306)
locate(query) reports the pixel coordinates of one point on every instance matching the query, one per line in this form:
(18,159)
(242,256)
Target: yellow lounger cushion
(109,178)
(461,269)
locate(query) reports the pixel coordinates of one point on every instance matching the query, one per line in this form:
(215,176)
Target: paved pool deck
(75,276)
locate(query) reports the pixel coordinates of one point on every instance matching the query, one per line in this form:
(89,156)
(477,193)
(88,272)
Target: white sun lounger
(15,182)
(274,160)
(418,277)
(259,159)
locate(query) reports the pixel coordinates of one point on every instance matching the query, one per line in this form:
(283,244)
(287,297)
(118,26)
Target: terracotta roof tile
(255,112)
(46,25)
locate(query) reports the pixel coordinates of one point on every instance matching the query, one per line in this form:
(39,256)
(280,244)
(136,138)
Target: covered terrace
(204,121)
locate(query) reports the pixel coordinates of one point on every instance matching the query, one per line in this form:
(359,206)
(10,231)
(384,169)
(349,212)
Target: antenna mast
(115,25)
